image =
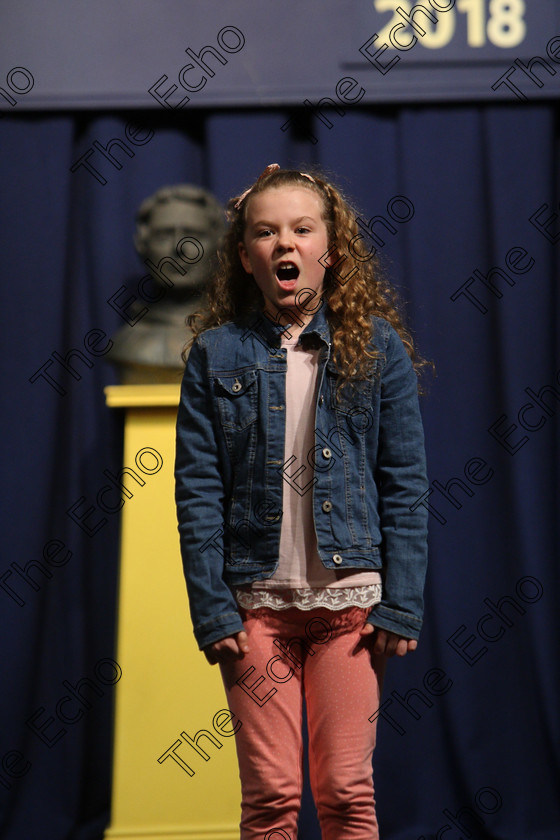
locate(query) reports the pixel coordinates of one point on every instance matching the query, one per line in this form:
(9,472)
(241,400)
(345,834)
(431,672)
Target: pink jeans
(319,653)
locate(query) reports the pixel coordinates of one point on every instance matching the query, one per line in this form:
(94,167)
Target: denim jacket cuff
(403,623)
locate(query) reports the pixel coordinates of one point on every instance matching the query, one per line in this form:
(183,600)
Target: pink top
(301,579)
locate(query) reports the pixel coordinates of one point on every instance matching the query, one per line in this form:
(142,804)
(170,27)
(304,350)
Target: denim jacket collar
(317,326)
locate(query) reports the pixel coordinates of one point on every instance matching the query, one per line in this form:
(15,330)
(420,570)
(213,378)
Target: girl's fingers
(380,646)
(243,641)
(232,647)
(402,647)
(226,649)
(392,644)
(389,644)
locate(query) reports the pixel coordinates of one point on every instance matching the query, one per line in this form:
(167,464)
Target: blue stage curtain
(468,730)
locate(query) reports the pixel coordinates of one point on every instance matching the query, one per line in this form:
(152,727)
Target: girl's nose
(285,240)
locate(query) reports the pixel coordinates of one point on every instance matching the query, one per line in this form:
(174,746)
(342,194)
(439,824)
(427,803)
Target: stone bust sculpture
(178,230)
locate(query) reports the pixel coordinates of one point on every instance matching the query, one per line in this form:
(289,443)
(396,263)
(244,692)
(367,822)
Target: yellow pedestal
(167,686)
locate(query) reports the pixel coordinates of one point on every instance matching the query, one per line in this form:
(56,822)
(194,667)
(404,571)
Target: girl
(299,475)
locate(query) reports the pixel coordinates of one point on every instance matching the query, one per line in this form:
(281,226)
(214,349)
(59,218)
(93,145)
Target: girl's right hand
(224,650)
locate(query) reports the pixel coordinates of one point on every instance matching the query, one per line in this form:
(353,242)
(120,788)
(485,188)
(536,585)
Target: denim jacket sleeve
(199,495)
(402,479)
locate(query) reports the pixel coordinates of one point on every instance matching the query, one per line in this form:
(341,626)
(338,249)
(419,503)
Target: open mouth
(287,274)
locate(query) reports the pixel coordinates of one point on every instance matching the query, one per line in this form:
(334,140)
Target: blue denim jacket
(366,471)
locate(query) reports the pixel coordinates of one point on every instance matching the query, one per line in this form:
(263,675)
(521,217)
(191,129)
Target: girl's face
(285,235)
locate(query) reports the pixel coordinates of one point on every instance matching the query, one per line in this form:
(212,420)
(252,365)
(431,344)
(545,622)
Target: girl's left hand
(387,643)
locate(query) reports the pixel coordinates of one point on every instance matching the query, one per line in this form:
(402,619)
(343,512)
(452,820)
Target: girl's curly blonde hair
(233,295)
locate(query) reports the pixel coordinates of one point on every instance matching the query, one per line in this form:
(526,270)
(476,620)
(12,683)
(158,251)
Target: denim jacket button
(321,400)
(327,506)
(236,386)
(327,453)
(337,559)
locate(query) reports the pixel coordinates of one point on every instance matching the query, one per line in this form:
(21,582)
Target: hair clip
(241,198)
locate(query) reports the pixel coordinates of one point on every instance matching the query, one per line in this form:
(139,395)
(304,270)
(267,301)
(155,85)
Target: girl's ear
(244,257)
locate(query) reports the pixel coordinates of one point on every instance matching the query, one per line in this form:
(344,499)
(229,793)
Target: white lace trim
(308,599)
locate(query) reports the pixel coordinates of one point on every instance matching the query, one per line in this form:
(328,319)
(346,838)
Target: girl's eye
(263,233)
(303,230)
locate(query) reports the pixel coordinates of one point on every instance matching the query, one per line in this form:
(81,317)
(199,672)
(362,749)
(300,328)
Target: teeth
(287,271)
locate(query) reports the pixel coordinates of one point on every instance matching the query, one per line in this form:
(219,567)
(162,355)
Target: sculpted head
(174,216)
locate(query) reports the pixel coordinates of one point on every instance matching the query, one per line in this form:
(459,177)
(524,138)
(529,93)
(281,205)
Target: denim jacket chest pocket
(237,399)
(356,410)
